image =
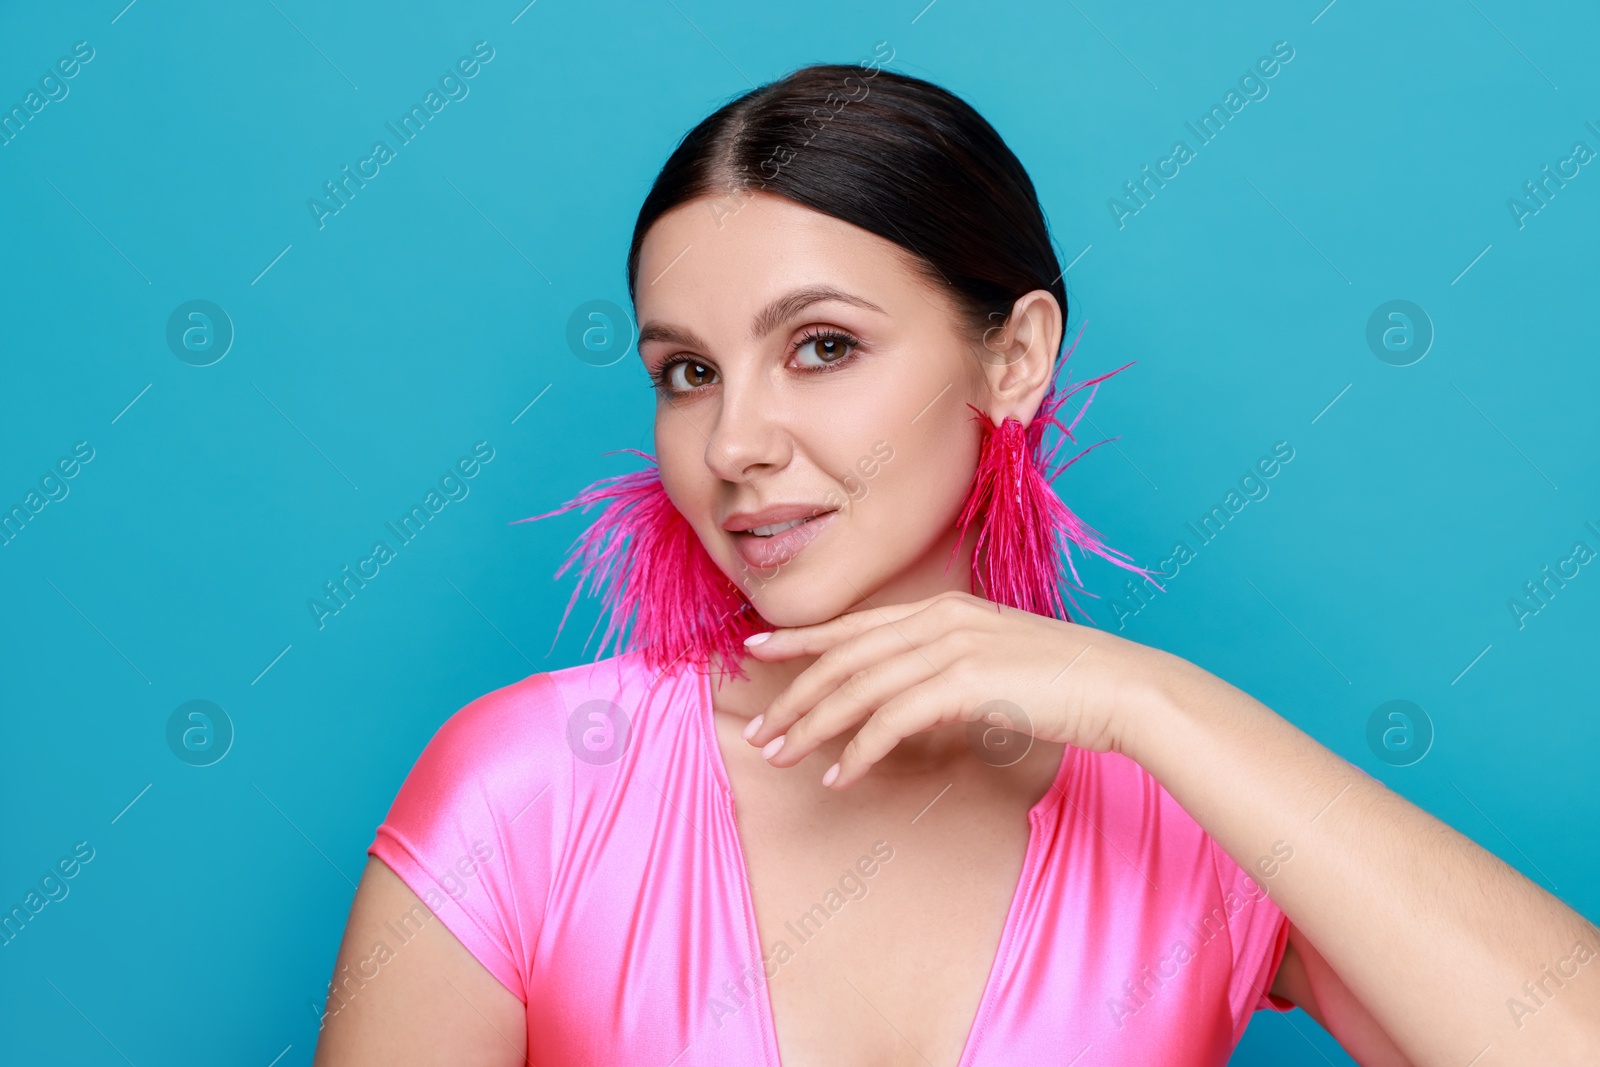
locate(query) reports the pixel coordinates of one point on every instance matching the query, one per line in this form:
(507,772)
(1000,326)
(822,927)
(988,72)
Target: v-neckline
(707,722)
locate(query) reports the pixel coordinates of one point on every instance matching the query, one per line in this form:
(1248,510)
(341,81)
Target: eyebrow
(768,319)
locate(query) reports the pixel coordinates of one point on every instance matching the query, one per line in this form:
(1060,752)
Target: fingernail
(756,639)
(773,746)
(752,726)
(830,775)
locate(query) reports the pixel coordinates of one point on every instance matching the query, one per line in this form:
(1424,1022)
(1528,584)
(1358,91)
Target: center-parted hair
(894,155)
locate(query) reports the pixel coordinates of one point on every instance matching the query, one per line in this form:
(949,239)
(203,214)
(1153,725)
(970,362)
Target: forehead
(720,258)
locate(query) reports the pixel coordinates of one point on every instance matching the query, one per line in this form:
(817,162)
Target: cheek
(692,488)
(681,465)
(687,485)
(916,496)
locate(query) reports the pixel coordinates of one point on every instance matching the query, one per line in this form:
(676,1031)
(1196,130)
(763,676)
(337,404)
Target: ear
(1019,356)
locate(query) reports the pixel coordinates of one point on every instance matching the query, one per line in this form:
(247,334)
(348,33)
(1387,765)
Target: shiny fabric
(592,864)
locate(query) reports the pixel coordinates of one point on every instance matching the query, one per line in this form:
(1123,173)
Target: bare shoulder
(421,1000)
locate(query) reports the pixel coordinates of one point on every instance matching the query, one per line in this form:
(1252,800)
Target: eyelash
(660,378)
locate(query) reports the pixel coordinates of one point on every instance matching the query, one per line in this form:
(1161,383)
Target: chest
(879,910)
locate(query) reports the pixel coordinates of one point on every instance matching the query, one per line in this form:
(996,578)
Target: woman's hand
(910,667)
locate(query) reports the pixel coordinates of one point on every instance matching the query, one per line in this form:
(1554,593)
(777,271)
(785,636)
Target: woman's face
(805,371)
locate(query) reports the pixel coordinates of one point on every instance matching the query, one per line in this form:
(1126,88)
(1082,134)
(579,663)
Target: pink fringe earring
(1025,531)
(650,564)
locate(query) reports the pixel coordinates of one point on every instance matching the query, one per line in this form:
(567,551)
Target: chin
(792,600)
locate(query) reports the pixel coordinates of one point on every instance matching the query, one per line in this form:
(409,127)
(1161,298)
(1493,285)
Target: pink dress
(592,864)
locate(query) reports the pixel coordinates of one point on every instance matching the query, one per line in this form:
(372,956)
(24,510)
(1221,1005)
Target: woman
(920,816)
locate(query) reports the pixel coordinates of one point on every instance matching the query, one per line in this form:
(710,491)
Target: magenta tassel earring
(650,564)
(1025,527)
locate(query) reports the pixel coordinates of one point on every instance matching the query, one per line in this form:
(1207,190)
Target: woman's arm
(1307,980)
(422,1001)
(1419,932)
(1432,935)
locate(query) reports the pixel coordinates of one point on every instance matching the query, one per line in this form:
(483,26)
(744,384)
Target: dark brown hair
(894,155)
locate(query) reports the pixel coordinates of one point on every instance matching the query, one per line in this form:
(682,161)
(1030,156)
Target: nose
(749,437)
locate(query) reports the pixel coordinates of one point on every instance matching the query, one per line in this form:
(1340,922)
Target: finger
(922,707)
(858,696)
(836,664)
(790,641)
(823,677)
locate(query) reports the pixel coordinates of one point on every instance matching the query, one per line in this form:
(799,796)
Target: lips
(764,553)
(777,514)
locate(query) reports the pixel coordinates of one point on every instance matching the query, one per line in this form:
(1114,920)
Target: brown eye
(692,376)
(828,346)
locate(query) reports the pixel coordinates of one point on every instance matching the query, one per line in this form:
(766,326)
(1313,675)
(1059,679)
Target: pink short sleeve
(1259,931)
(473,830)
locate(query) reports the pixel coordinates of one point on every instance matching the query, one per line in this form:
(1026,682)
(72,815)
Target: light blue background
(431,311)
